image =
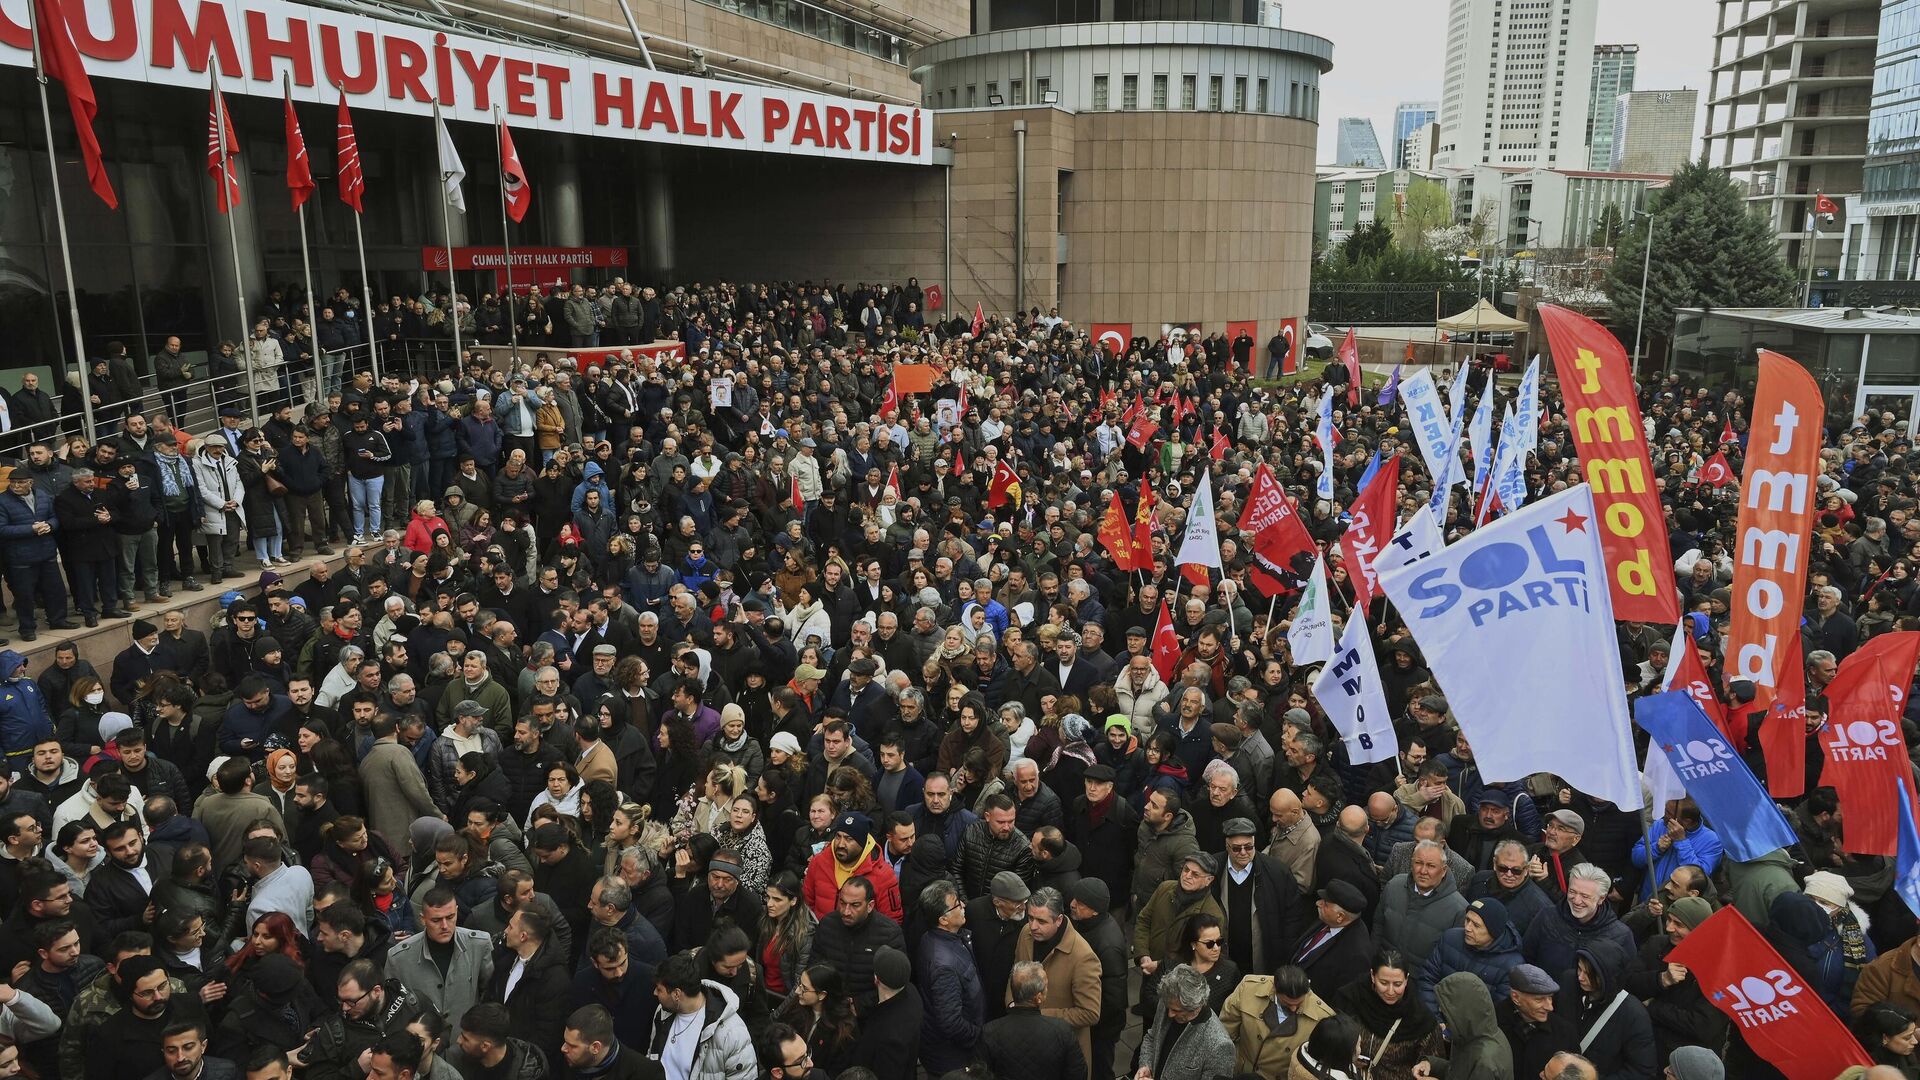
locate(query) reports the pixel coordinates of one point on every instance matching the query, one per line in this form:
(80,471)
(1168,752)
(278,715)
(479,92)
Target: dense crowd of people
(660,729)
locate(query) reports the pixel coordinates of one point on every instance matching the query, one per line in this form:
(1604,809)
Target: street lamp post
(1640,323)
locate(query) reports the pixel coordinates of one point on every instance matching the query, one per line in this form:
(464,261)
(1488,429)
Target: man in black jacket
(118,893)
(852,940)
(1026,1044)
(1260,898)
(1336,949)
(90,548)
(890,1032)
(530,977)
(1087,907)
(591,1050)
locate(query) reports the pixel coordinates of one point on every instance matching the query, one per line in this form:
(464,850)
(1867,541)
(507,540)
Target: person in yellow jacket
(1269,1018)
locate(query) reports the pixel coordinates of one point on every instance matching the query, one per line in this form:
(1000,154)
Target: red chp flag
(1350,356)
(1783,731)
(513,179)
(1866,754)
(1143,528)
(221,148)
(1116,535)
(1166,645)
(793,494)
(1278,535)
(1604,412)
(60,60)
(1776,518)
(346,147)
(1781,1018)
(299,169)
(1371,526)
(1715,472)
(979,323)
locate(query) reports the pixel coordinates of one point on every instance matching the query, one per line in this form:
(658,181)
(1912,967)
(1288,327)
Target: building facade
(1787,108)
(1357,144)
(1882,224)
(1410,117)
(1517,83)
(1653,130)
(1346,200)
(674,143)
(1613,68)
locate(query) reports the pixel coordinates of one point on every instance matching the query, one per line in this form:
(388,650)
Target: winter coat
(821,889)
(1158,927)
(396,793)
(465,980)
(1106,850)
(538,1002)
(1623,1048)
(981,857)
(1138,706)
(726,1047)
(1073,983)
(1553,939)
(1030,1044)
(1681,1014)
(1490,965)
(1157,855)
(1412,923)
(23,712)
(23,546)
(1258,1047)
(890,1034)
(955,1004)
(1202,1049)
(1277,908)
(1891,978)
(1479,1050)
(217,479)
(851,950)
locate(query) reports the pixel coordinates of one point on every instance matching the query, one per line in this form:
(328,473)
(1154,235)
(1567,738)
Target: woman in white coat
(221,497)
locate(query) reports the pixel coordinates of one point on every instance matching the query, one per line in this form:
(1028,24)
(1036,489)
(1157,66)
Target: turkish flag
(1290,329)
(1166,645)
(299,169)
(1116,535)
(1867,750)
(1825,207)
(1371,526)
(793,493)
(893,482)
(1218,451)
(1715,472)
(1004,487)
(1112,336)
(60,59)
(514,190)
(1782,1019)
(890,402)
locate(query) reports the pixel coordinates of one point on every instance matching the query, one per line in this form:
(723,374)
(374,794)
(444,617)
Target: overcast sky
(1389,51)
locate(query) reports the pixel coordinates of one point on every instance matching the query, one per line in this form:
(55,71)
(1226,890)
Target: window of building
(1099,91)
(993,91)
(1129,91)
(973,96)
(1019,87)
(1240,94)
(1216,87)
(1041,88)
(1159,91)
(1187,85)
(1293,99)
(1260,104)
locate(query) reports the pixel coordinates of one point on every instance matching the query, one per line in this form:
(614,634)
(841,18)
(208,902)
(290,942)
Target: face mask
(96,697)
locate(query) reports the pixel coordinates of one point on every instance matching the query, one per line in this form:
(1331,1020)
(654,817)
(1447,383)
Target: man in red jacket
(851,853)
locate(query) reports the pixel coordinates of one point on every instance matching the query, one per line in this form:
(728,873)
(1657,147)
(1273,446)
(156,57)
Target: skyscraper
(1358,145)
(1612,76)
(1408,118)
(1652,131)
(1518,81)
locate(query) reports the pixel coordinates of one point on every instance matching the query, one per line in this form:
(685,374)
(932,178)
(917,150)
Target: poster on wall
(1252,329)
(1290,329)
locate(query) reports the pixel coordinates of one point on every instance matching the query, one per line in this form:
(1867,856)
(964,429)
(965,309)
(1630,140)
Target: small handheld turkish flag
(1715,472)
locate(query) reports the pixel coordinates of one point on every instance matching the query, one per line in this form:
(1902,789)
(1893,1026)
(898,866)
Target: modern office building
(1347,199)
(1409,117)
(1357,144)
(1787,108)
(1653,130)
(1613,67)
(1533,209)
(1881,225)
(1418,150)
(1517,83)
(1023,165)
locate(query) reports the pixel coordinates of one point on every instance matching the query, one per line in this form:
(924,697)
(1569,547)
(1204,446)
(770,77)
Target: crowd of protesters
(644,738)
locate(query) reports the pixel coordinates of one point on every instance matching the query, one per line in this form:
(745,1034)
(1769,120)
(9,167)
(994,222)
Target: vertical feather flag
(60,60)
(353,184)
(299,169)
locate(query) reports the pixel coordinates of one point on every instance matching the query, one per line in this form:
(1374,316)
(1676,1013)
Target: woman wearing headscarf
(1396,1029)
(1798,927)
(1066,768)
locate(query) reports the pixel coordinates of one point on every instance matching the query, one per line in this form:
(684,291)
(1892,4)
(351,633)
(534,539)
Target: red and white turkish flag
(514,190)
(893,482)
(1114,337)
(1166,645)
(1715,472)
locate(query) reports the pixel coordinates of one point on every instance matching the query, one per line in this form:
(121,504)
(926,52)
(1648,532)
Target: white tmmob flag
(1310,634)
(1349,689)
(1201,547)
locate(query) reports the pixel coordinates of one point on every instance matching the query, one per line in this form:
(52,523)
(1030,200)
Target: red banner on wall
(1253,331)
(1290,329)
(524,258)
(1604,412)
(1112,336)
(1781,1018)
(659,350)
(1776,519)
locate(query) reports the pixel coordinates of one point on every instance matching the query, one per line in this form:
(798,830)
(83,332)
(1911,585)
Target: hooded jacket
(1479,1050)
(1622,1048)
(1552,940)
(1452,955)
(725,1050)
(821,889)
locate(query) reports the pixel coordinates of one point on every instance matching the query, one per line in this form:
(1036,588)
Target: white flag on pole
(1201,547)
(1310,634)
(1428,417)
(1419,538)
(1349,689)
(1516,623)
(1323,432)
(452,172)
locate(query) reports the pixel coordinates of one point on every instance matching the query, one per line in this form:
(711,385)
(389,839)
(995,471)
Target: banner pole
(313,301)
(229,184)
(453,279)
(366,287)
(66,250)
(506,242)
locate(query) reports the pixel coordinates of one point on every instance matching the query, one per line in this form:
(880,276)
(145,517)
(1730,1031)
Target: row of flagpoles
(56,57)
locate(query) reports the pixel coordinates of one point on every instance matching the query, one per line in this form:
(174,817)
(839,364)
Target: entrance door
(1902,401)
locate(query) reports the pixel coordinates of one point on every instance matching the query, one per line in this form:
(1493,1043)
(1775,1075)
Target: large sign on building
(398,68)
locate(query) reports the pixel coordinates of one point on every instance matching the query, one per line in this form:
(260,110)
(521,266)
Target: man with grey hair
(1186,1041)
(1031,1042)
(1418,906)
(1035,803)
(341,679)
(1827,627)
(919,737)
(1581,917)
(1072,968)
(1026,681)
(640,870)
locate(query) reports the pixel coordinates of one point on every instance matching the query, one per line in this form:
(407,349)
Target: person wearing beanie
(1485,945)
(1680,1013)
(136,663)
(890,1031)
(1088,905)
(1695,1063)
(851,851)
(1834,894)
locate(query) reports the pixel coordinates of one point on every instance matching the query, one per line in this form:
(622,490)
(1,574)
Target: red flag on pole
(1783,733)
(1350,356)
(1278,534)
(1726,433)
(1692,677)
(1825,206)
(1004,488)
(299,170)
(1781,1018)
(893,482)
(793,494)
(60,60)
(1166,645)
(959,462)
(1143,528)
(1716,472)
(1116,535)
(1867,752)
(513,179)
(353,184)
(222,145)
(890,402)
(979,324)
(1369,530)
(1220,445)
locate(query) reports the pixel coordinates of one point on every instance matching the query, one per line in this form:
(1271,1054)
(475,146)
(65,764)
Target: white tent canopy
(1482,318)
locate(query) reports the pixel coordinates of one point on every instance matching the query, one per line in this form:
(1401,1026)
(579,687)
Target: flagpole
(366,282)
(506,241)
(446,221)
(66,251)
(1813,238)
(306,269)
(229,183)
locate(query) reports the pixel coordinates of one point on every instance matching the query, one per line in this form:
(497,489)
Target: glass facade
(804,18)
(1720,349)
(1892,173)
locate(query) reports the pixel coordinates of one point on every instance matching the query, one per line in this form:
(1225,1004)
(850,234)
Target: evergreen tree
(1708,252)
(1607,227)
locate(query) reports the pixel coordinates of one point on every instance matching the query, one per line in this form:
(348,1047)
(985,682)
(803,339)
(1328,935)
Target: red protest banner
(1371,526)
(1781,1018)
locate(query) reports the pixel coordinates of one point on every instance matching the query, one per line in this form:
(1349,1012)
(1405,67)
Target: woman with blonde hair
(708,814)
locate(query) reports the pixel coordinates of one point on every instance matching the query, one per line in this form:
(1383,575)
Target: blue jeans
(366,503)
